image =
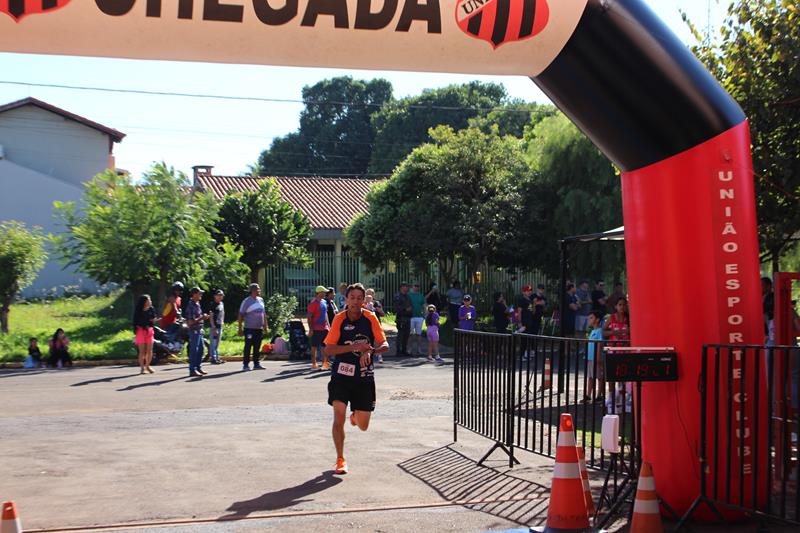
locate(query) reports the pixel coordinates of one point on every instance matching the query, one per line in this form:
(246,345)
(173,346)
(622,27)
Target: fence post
(456,391)
(510,394)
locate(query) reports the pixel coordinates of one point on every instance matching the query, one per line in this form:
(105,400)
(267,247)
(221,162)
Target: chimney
(202,170)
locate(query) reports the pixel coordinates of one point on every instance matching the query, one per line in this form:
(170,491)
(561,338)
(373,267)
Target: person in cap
(215,327)
(417,318)
(319,325)
(172,308)
(467,315)
(330,298)
(402,313)
(523,309)
(539,303)
(253,316)
(195,319)
(354,338)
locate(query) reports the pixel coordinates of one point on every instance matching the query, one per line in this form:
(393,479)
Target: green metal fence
(330,269)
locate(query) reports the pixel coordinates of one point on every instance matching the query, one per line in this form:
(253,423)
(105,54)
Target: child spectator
(594,366)
(467,314)
(432,332)
(59,350)
(34,354)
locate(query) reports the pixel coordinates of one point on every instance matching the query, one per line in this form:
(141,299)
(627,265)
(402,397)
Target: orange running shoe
(341,466)
(326,366)
(314,365)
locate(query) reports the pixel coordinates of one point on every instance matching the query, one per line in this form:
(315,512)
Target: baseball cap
(195,290)
(218,291)
(467,297)
(526,288)
(320,288)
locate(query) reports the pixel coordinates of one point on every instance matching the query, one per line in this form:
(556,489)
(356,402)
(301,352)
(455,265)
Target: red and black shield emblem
(19,9)
(502,21)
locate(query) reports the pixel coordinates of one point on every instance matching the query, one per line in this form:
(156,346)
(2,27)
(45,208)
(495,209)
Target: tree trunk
(5,309)
(137,288)
(162,287)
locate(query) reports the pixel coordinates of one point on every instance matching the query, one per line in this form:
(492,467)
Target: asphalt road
(240,451)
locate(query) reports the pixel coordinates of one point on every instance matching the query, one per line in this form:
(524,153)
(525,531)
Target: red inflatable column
(693,279)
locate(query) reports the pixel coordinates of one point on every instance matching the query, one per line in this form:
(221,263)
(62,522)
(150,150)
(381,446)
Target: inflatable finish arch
(610,65)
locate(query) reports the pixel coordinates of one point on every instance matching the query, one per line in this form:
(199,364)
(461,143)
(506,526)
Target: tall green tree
(756,58)
(22,255)
(335,134)
(153,231)
(266,227)
(574,190)
(402,125)
(453,198)
(513,117)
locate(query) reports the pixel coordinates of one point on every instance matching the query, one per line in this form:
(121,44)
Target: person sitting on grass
(59,350)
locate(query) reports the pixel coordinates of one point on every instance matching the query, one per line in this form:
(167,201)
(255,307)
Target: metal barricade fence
(749,433)
(512,389)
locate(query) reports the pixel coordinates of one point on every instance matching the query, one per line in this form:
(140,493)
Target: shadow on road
(459,479)
(104,380)
(281,499)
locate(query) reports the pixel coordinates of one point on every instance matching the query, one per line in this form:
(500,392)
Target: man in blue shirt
(253,314)
(194,319)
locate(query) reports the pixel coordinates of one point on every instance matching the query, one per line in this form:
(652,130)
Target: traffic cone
(10,522)
(587,491)
(646,515)
(567,509)
(547,380)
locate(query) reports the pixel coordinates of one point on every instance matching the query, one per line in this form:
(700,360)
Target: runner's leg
(339,416)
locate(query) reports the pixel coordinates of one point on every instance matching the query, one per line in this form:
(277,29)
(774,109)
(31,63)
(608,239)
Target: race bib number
(346,369)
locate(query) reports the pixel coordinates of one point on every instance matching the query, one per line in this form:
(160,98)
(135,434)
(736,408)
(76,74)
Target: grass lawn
(98,327)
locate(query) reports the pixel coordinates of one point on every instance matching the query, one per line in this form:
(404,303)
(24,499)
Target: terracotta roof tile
(329,203)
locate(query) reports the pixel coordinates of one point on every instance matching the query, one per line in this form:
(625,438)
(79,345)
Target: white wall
(49,143)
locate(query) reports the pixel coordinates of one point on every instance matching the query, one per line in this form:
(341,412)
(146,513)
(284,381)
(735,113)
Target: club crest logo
(19,9)
(502,21)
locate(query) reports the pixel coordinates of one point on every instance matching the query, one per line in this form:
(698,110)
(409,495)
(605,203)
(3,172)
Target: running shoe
(430,359)
(245,368)
(439,360)
(314,365)
(258,367)
(341,466)
(326,366)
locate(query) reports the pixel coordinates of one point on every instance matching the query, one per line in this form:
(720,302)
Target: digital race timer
(641,364)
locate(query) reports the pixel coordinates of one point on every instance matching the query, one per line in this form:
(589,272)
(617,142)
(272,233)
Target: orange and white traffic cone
(10,522)
(646,515)
(567,509)
(547,380)
(587,491)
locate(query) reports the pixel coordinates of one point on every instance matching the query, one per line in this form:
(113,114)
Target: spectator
(611,303)
(570,308)
(524,313)
(454,298)
(144,316)
(172,308)
(617,328)
(539,303)
(433,297)
(594,366)
(34,353)
(253,315)
(599,297)
(402,311)
(500,313)
(417,318)
(330,298)
(584,306)
(432,332)
(59,350)
(195,319)
(768,310)
(319,326)
(216,324)
(467,316)
(371,304)
(340,296)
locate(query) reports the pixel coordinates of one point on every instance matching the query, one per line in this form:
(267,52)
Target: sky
(229,135)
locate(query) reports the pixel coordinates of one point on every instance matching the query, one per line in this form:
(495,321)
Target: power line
(256,98)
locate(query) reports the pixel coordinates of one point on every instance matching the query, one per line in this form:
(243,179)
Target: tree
(574,190)
(22,255)
(136,234)
(266,227)
(459,195)
(335,134)
(402,125)
(755,58)
(512,118)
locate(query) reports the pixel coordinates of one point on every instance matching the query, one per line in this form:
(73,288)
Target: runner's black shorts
(359,394)
(318,338)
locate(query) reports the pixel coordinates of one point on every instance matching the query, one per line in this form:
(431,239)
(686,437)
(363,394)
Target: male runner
(353,338)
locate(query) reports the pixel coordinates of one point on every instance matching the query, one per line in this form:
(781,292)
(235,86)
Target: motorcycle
(169,342)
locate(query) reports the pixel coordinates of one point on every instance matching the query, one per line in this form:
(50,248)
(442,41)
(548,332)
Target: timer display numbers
(641,364)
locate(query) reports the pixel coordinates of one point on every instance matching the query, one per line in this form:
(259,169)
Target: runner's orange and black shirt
(343,332)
